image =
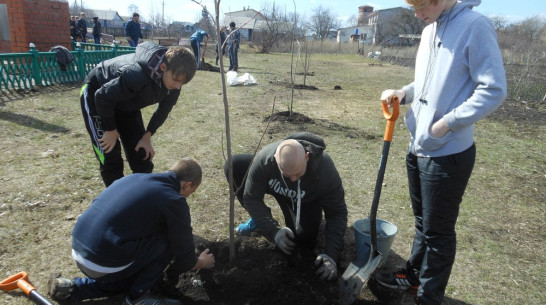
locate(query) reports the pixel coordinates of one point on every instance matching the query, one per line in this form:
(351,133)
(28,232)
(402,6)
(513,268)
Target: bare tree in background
(352,21)
(499,22)
(322,22)
(133,8)
(523,44)
(156,21)
(274,30)
(392,25)
(206,24)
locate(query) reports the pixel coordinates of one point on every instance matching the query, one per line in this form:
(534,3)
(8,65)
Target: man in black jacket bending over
(303,179)
(115,91)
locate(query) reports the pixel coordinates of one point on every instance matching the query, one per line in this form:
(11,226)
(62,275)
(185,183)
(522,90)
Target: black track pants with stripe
(130,127)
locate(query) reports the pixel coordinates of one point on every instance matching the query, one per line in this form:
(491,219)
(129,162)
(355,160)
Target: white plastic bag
(245,79)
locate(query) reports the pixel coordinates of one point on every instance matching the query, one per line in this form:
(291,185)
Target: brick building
(42,22)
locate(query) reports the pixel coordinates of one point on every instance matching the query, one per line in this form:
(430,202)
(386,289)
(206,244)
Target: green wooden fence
(33,69)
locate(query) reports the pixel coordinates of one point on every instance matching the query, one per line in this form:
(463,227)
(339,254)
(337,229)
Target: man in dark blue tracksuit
(131,233)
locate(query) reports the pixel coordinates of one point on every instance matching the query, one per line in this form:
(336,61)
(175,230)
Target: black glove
(284,239)
(327,268)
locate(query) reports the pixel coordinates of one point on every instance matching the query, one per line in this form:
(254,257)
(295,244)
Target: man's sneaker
(417,302)
(151,300)
(60,288)
(246,228)
(402,279)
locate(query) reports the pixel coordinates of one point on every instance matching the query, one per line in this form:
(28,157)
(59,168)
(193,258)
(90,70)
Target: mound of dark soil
(260,274)
(205,66)
(303,87)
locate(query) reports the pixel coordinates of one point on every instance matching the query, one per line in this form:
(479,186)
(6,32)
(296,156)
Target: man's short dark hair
(136,15)
(232,24)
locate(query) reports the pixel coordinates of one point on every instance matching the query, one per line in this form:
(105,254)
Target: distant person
(114,93)
(81,25)
(73,34)
(96,30)
(459,79)
(233,47)
(195,41)
(133,31)
(221,42)
(130,234)
(304,181)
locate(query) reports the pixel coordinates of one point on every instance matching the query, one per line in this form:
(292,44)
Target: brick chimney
(363,12)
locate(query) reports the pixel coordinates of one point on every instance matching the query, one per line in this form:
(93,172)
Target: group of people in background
(78,28)
(133,33)
(233,36)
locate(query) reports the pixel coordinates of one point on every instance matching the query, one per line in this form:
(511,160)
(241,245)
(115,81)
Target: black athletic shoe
(151,300)
(401,279)
(417,302)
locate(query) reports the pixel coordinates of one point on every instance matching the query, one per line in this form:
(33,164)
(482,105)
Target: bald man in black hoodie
(303,179)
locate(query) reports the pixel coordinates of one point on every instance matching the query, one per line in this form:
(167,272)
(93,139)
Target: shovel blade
(355,277)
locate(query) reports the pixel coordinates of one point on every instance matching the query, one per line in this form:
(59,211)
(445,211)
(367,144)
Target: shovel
(20,280)
(359,271)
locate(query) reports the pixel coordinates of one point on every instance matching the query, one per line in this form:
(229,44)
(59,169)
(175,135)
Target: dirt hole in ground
(260,274)
(205,66)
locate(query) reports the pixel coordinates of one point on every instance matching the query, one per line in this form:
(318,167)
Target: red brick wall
(42,22)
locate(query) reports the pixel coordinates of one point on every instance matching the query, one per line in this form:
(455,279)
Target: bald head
(291,159)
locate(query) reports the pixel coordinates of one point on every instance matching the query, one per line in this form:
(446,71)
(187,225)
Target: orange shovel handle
(390,117)
(18,280)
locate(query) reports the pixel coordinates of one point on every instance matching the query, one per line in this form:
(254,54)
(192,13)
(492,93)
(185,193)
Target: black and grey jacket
(320,187)
(131,82)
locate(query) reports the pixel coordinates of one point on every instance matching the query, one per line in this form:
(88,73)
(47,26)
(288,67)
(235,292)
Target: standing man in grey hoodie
(459,79)
(304,181)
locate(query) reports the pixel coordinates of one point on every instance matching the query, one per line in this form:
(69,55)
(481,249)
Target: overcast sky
(186,10)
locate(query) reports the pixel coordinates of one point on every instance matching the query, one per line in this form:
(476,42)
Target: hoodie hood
(460,6)
(150,56)
(312,143)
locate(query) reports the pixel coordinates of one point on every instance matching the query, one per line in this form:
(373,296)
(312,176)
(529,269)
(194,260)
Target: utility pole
(163,14)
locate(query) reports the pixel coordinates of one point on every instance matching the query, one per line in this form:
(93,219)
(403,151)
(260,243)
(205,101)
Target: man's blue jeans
(233,57)
(135,280)
(436,187)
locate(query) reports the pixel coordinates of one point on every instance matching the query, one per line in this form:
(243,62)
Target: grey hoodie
(459,76)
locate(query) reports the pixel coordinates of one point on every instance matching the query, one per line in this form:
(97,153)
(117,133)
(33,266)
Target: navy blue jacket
(132,29)
(128,214)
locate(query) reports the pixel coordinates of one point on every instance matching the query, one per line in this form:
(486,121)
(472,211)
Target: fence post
(114,50)
(35,65)
(81,61)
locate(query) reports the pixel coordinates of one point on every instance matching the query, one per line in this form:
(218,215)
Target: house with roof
(380,26)
(251,22)
(107,18)
(247,20)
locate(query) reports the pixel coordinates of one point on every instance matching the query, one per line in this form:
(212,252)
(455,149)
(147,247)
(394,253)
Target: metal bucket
(386,232)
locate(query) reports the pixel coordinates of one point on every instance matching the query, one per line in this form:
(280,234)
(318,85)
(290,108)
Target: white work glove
(387,95)
(327,268)
(284,239)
